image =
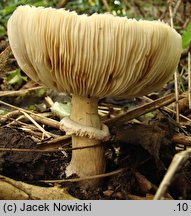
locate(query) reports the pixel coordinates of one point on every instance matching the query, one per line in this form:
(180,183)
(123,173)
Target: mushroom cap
(98,56)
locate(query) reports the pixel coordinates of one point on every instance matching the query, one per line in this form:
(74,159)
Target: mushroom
(92,57)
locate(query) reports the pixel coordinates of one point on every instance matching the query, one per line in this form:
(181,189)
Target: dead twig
(106,5)
(39,118)
(17,190)
(62,3)
(138,9)
(16,115)
(177,162)
(56,142)
(30,150)
(134,113)
(48,150)
(86,178)
(176,8)
(170,110)
(182,139)
(63,139)
(37,125)
(19,92)
(13,114)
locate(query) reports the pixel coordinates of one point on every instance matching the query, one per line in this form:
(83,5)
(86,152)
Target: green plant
(7,8)
(15,78)
(186,36)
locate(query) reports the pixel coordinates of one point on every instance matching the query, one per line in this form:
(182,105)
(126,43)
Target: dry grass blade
(176,72)
(39,118)
(37,125)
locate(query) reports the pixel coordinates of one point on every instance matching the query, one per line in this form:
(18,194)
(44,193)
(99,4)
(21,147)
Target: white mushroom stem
(87,130)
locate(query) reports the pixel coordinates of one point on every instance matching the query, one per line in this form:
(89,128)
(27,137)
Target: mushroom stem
(87,161)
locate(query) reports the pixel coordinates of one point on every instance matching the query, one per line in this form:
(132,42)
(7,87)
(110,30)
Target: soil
(27,166)
(145,163)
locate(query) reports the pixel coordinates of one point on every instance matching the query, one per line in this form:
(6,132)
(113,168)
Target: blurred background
(151,9)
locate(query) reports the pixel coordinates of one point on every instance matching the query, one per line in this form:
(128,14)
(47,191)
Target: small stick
(39,118)
(170,110)
(86,178)
(13,114)
(149,107)
(30,150)
(36,124)
(35,136)
(19,92)
(62,3)
(176,96)
(64,139)
(30,129)
(49,101)
(176,7)
(18,190)
(177,162)
(106,5)
(48,150)
(182,139)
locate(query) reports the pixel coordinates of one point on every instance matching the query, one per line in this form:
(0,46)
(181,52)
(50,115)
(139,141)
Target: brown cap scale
(92,57)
